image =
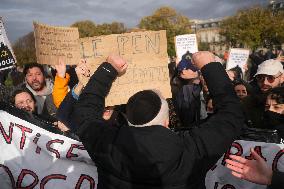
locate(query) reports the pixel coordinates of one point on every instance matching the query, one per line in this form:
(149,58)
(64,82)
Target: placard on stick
(7,58)
(237,57)
(56,43)
(146,54)
(184,43)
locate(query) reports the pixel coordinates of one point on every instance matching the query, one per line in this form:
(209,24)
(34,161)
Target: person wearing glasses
(269,75)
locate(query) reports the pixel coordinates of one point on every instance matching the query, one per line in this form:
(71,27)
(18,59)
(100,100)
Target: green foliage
(253,28)
(166,18)
(24,49)
(113,28)
(203,46)
(88,28)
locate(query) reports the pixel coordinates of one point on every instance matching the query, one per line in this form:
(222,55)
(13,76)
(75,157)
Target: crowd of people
(153,142)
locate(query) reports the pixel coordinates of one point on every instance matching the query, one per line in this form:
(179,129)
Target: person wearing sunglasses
(269,75)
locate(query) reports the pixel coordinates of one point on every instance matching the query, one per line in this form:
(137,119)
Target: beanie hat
(144,107)
(270,67)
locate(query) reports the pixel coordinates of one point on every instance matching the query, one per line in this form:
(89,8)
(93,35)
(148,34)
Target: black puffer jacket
(155,157)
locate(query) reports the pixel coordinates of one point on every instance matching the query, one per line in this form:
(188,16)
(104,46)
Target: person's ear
(166,123)
(282,78)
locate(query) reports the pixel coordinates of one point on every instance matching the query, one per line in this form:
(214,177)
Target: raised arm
(215,136)
(87,114)
(60,88)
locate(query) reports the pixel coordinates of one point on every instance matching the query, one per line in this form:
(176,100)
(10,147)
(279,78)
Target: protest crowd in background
(211,106)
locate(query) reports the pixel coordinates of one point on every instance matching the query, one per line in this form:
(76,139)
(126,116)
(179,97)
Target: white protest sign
(32,157)
(237,57)
(220,177)
(7,58)
(184,43)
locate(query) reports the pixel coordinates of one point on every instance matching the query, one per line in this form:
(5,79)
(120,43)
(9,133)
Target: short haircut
(21,90)
(277,94)
(33,65)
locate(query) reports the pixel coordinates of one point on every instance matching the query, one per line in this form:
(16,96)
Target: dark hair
(277,94)
(237,72)
(32,65)
(242,82)
(21,90)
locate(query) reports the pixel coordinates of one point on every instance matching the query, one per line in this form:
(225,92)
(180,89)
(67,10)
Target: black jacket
(155,157)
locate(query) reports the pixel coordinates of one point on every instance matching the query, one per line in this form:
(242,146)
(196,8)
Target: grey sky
(18,15)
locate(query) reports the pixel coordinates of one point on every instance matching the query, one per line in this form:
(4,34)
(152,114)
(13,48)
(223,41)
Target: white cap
(270,67)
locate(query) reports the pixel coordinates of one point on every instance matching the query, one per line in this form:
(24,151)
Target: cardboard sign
(7,58)
(32,157)
(237,57)
(184,44)
(146,54)
(220,177)
(56,43)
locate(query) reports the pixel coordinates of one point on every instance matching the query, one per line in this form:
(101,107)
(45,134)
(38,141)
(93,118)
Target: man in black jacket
(145,153)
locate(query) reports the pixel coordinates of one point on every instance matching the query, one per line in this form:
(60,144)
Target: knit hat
(270,67)
(144,107)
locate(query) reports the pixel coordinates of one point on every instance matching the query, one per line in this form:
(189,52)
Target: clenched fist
(202,58)
(118,63)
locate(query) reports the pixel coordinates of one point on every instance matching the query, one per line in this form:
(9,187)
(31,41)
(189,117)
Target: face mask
(273,119)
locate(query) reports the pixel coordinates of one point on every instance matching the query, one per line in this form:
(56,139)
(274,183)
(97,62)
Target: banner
(220,177)
(56,43)
(7,58)
(185,44)
(237,57)
(32,157)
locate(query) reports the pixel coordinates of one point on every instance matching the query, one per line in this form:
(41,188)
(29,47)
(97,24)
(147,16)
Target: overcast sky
(18,15)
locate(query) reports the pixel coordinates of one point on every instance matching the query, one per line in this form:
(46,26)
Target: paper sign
(185,43)
(56,43)
(146,54)
(7,58)
(237,57)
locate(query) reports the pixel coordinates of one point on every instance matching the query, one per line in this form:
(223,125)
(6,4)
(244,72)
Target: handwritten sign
(237,57)
(7,58)
(32,157)
(56,43)
(146,54)
(184,43)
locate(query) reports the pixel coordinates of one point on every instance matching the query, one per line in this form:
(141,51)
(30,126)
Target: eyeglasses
(270,78)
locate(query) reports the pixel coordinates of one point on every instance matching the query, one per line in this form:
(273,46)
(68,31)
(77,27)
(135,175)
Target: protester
(146,154)
(187,100)
(41,88)
(274,114)
(257,170)
(269,75)
(242,89)
(60,88)
(235,73)
(24,100)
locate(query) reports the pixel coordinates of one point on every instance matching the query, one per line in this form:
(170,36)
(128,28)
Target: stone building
(207,32)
